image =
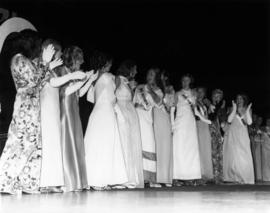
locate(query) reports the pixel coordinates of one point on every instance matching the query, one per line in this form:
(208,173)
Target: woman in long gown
(52,177)
(217,115)
(204,136)
(73,151)
(237,157)
(104,154)
(163,135)
(186,164)
(20,161)
(129,126)
(145,100)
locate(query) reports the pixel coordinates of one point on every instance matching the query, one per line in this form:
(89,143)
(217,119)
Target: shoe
(168,185)
(155,185)
(118,187)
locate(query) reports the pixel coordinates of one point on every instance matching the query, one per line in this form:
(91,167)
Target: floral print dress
(20,163)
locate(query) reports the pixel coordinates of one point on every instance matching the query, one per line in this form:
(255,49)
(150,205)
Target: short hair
(99,59)
(218,91)
(188,75)
(57,46)
(72,54)
(245,98)
(125,68)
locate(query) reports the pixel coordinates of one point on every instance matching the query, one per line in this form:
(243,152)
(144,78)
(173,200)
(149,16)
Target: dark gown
(75,175)
(217,117)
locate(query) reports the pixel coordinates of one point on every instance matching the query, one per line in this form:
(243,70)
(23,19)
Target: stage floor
(166,200)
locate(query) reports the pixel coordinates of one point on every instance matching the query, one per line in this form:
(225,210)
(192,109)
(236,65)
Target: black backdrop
(223,44)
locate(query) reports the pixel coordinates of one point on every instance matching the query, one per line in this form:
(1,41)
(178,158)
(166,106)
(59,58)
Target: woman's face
(107,67)
(239,101)
(186,82)
(58,54)
(77,65)
(268,122)
(133,72)
(217,98)
(200,93)
(151,76)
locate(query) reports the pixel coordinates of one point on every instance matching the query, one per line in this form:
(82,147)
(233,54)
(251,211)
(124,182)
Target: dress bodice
(186,98)
(105,89)
(143,98)
(123,92)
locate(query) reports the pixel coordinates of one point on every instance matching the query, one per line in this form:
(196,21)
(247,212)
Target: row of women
(136,134)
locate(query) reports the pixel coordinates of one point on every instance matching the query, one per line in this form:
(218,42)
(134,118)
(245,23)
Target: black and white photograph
(159,106)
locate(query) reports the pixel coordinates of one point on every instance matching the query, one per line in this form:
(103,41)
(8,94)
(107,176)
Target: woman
(104,154)
(237,158)
(186,156)
(163,131)
(129,126)
(52,177)
(145,99)
(20,162)
(72,136)
(217,115)
(204,136)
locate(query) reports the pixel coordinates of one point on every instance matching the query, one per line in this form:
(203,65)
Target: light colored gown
(104,153)
(130,134)
(205,147)
(145,114)
(186,164)
(237,158)
(52,173)
(20,161)
(72,140)
(163,137)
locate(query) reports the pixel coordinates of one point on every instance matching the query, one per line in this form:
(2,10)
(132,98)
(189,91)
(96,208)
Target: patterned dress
(20,162)
(217,117)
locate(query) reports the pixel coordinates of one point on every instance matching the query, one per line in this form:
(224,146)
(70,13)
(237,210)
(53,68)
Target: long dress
(144,105)
(130,134)
(73,151)
(217,118)
(163,138)
(104,154)
(205,147)
(237,157)
(20,162)
(186,164)
(52,173)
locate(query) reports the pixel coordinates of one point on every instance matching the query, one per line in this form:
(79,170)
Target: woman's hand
(93,76)
(249,108)
(55,63)
(48,53)
(234,106)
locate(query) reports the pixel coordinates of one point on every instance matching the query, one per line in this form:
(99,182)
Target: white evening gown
(163,137)
(130,134)
(104,156)
(237,157)
(145,114)
(186,163)
(52,163)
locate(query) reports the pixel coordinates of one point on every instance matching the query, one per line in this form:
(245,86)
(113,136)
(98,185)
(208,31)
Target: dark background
(223,44)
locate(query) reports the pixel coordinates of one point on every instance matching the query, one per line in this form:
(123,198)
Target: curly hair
(71,55)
